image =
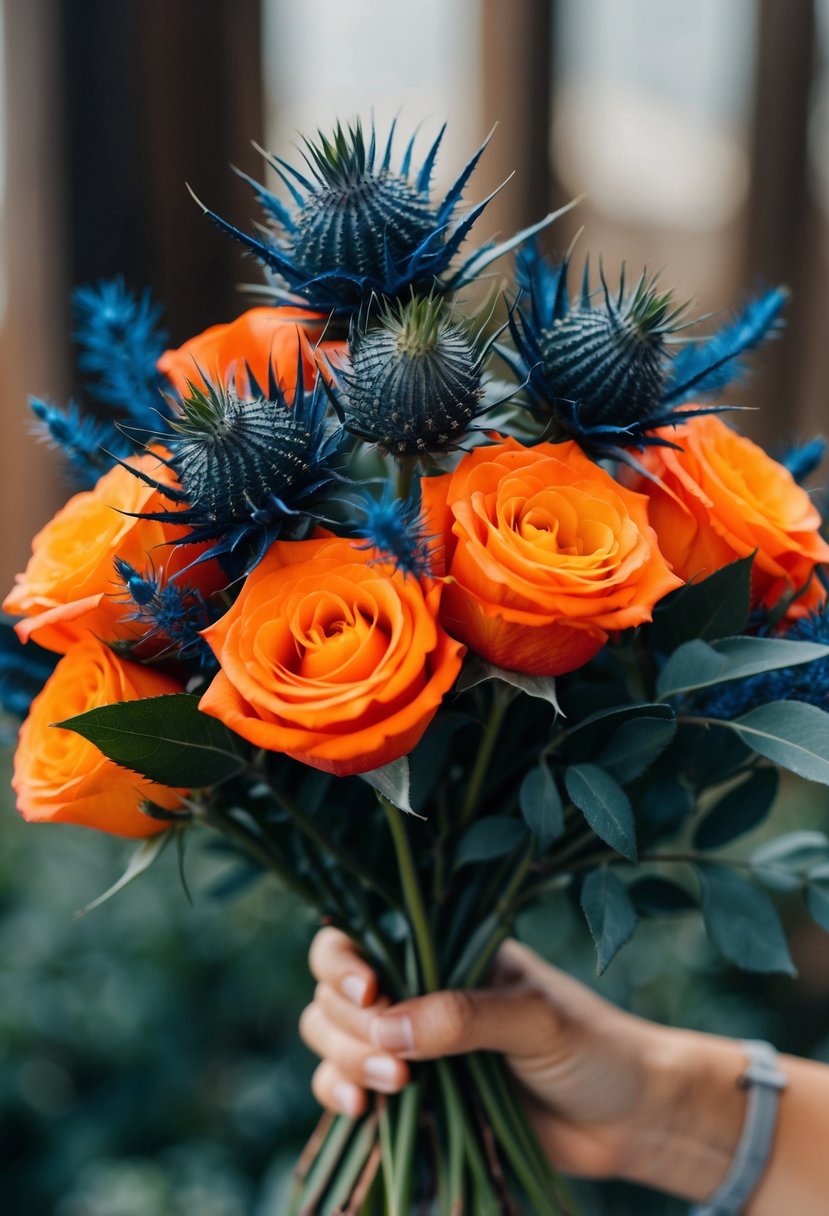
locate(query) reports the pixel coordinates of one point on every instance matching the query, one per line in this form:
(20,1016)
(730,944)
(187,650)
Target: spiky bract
(396,529)
(602,367)
(88,444)
(24,669)
(361,228)
(247,467)
(171,612)
(413,381)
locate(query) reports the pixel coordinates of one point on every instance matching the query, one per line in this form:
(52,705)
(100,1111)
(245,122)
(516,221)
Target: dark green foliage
(166,739)
(609,913)
(742,922)
(490,838)
(541,806)
(605,806)
(714,607)
(739,811)
(698,664)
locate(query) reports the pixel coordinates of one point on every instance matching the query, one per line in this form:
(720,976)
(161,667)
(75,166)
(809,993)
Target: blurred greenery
(149,1059)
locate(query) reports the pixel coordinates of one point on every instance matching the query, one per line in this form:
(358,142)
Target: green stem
(404,1147)
(471,967)
(455,1136)
(406,469)
(500,700)
(387,1156)
(412,896)
(260,848)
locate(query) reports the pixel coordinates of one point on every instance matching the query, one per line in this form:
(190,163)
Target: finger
(334,960)
(358,1061)
(517,1022)
(515,965)
(334,1091)
(347,1016)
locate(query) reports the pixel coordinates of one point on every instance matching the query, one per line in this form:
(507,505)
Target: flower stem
(413,897)
(500,700)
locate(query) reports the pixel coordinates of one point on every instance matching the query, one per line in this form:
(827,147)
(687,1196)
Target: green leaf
(793,734)
(609,914)
(742,922)
(701,664)
(816,895)
(584,738)
(782,863)
(663,806)
(392,782)
(490,838)
(166,739)
(541,806)
(476,671)
(716,607)
(653,896)
(605,806)
(739,811)
(141,860)
(635,745)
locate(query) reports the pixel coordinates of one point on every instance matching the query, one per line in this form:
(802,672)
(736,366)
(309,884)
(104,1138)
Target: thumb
(518,1022)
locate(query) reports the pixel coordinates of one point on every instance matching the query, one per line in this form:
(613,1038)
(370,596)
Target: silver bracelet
(764,1081)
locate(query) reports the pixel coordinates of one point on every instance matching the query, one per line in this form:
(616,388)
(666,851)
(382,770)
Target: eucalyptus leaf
(782,863)
(605,806)
(740,810)
(742,921)
(816,895)
(698,664)
(477,670)
(141,860)
(609,913)
(635,745)
(489,839)
(793,734)
(166,739)
(541,806)
(392,782)
(715,607)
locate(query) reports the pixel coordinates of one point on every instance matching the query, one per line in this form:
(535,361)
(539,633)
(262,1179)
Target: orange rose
(722,497)
(261,338)
(545,555)
(330,659)
(69,589)
(60,777)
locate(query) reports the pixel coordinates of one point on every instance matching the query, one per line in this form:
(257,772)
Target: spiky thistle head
(248,468)
(361,227)
(397,531)
(413,379)
(168,611)
(603,366)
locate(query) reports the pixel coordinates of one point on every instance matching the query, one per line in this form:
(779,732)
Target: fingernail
(393,1033)
(354,988)
(381,1072)
(347,1098)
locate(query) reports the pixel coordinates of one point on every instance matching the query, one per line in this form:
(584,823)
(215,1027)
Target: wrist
(687,1124)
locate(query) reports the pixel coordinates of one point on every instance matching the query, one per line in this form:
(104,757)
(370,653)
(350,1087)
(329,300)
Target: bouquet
(432,616)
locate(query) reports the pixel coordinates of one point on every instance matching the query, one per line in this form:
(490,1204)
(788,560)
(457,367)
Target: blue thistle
(88,444)
(120,343)
(361,229)
(413,383)
(398,531)
(604,370)
(802,459)
(806,682)
(168,610)
(248,468)
(23,670)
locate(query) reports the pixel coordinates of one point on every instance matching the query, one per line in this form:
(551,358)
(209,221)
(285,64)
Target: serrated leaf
(605,806)
(609,914)
(541,806)
(816,895)
(654,896)
(477,670)
(392,782)
(742,922)
(166,739)
(700,664)
(793,734)
(489,839)
(740,810)
(143,857)
(782,863)
(635,745)
(663,807)
(715,607)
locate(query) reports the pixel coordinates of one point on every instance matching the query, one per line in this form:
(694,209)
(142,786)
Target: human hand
(605,1090)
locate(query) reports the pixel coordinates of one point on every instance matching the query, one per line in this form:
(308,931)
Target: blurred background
(149,1064)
